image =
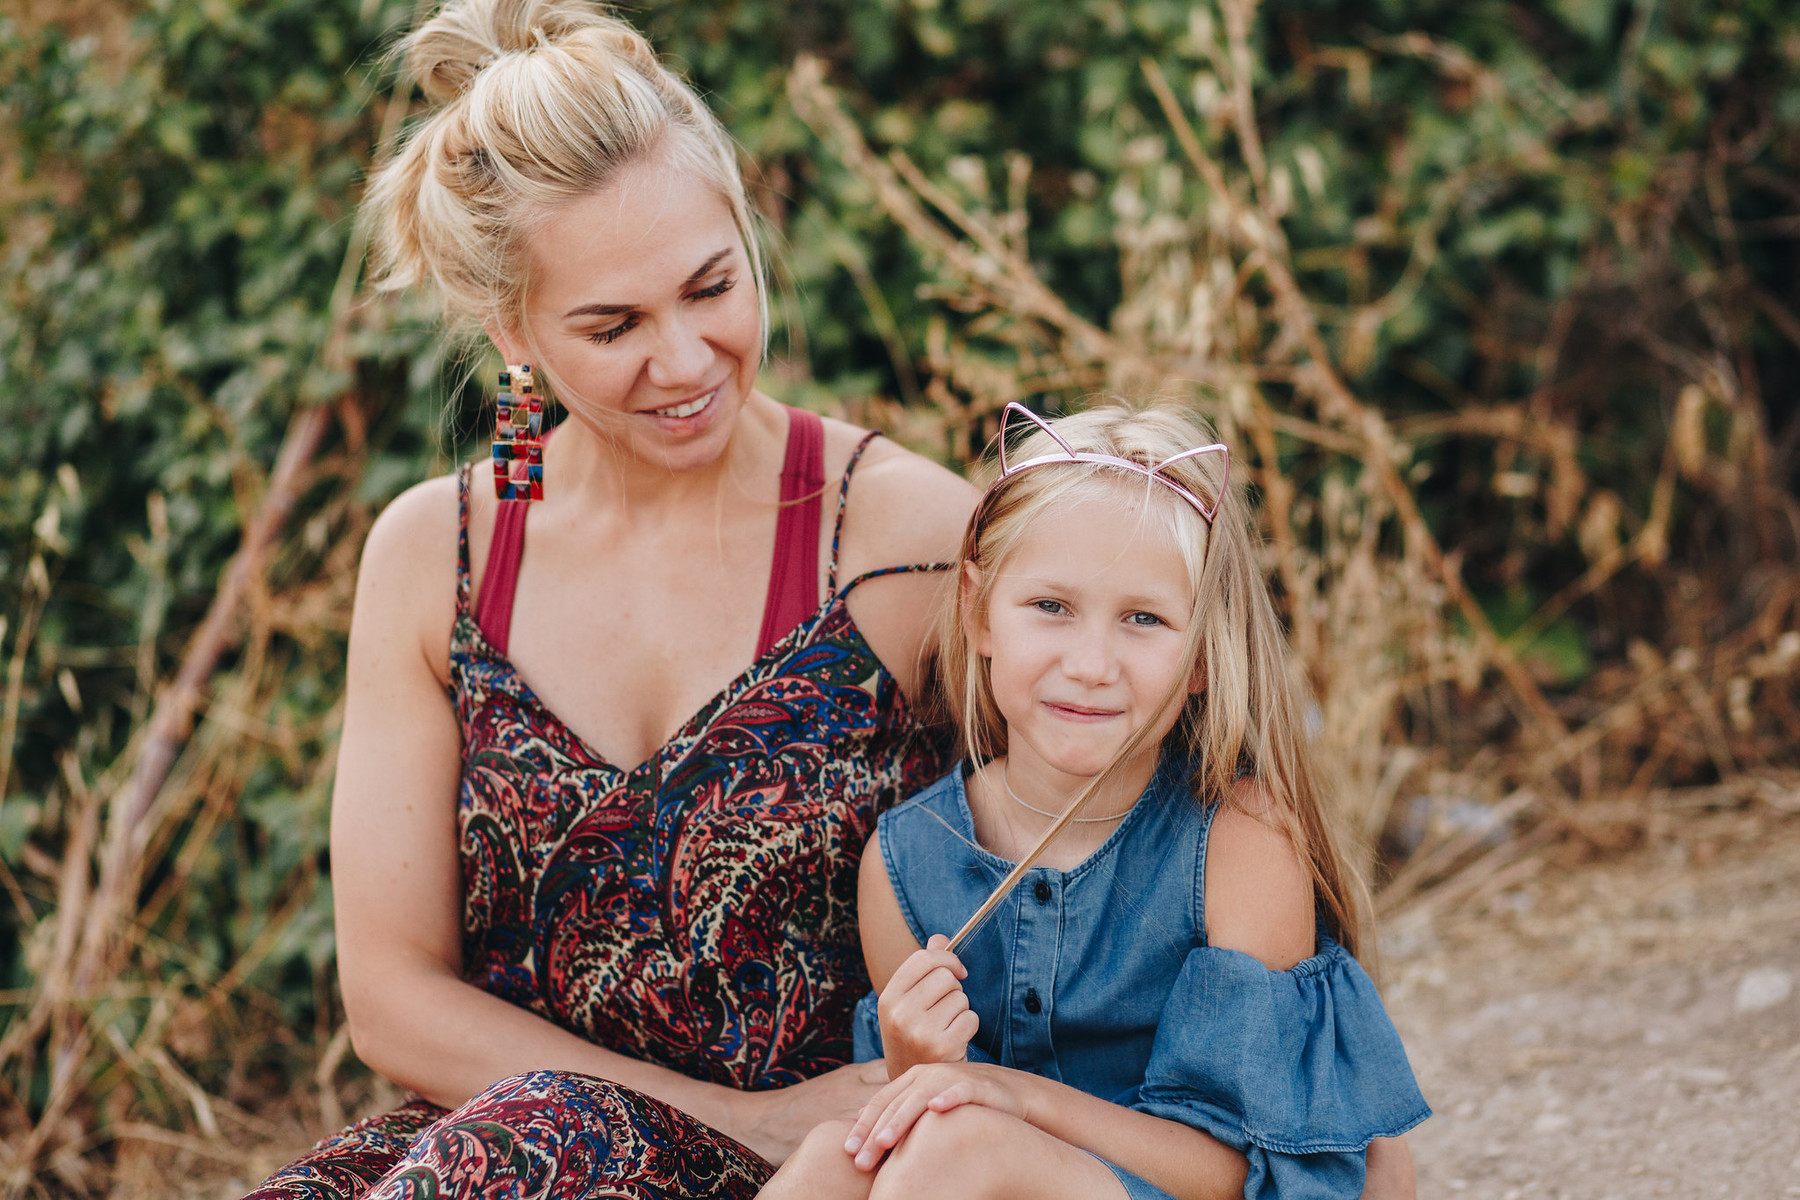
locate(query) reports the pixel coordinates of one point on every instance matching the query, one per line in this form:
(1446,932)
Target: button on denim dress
(1100,977)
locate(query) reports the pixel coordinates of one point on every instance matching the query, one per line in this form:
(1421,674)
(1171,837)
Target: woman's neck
(595,471)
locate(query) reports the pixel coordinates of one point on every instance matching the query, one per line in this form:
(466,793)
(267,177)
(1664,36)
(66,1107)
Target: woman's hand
(773,1123)
(931,1087)
(925,1015)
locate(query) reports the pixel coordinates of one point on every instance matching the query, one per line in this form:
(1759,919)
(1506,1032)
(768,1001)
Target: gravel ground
(1622,1029)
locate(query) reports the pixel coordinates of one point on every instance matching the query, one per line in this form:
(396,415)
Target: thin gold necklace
(1006,779)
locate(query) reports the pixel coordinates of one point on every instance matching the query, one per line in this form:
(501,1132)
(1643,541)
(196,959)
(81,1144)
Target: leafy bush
(1497,299)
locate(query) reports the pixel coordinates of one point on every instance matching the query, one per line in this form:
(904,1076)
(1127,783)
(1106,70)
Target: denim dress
(1100,977)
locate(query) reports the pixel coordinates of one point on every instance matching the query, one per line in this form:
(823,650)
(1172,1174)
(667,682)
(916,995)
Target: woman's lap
(546,1135)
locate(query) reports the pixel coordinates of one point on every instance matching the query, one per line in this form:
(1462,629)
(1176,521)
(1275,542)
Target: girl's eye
(718,289)
(606,336)
(1053,607)
(1144,620)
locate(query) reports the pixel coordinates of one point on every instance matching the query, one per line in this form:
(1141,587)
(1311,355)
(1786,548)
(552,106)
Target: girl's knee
(819,1167)
(965,1145)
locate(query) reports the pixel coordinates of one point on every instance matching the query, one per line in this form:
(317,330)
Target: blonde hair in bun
(538,103)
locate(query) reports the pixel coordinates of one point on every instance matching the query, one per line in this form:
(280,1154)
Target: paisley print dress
(696,911)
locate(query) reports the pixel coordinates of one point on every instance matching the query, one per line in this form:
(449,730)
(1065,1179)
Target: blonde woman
(610,756)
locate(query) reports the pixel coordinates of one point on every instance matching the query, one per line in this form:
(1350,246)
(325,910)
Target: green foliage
(1580,215)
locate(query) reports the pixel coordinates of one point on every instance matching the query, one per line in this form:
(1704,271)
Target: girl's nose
(680,356)
(1088,659)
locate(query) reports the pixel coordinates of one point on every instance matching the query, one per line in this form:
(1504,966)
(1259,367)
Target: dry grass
(1399,654)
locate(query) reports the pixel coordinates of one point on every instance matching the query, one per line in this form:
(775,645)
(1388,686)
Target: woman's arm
(396,874)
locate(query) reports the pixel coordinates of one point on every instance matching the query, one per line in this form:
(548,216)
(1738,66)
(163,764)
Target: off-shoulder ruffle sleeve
(1296,1069)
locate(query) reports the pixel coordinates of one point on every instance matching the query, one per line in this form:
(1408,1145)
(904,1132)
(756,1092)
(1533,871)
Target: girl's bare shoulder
(1259,894)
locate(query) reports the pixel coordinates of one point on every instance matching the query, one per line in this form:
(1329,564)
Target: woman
(610,757)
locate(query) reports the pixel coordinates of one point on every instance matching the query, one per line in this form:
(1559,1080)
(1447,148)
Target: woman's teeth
(688,409)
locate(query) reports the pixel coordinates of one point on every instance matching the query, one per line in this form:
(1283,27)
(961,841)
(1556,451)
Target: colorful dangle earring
(518,437)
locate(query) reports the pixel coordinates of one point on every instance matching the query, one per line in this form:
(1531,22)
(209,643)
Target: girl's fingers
(951,1097)
(894,1125)
(949,1004)
(966,1026)
(930,991)
(921,963)
(940,944)
(870,1113)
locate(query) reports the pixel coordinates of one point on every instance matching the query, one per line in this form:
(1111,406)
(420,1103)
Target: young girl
(1164,1000)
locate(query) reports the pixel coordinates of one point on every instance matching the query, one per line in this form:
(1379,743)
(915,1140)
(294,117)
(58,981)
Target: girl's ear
(975,626)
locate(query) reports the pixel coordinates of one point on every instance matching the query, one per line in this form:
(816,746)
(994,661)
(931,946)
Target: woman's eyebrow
(614,310)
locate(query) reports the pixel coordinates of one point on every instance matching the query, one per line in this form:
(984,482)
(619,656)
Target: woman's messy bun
(538,102)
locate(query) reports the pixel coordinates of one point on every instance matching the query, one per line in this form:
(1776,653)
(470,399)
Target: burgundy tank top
(793,577)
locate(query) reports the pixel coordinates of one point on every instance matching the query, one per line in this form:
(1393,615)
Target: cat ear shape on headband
(1070,454)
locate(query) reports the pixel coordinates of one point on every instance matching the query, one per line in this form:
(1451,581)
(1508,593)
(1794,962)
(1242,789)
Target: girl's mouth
(1080,712)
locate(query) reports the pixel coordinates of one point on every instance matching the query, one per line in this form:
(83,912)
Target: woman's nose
(680,356)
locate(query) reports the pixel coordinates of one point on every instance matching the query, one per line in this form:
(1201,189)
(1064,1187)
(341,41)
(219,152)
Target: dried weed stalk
(1398,651)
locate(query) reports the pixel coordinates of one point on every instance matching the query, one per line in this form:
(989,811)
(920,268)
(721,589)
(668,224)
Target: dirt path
(1624,1029)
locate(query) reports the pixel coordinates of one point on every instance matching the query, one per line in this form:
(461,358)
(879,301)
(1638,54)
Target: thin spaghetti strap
(462,538)
(905,569)
(837,524)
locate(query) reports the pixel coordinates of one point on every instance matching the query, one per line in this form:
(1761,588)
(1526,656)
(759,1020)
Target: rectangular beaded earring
(518,436)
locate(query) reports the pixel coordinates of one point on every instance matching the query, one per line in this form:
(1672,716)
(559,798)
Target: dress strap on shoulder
(462,537)
(837,524)
(794,573)
(494,603)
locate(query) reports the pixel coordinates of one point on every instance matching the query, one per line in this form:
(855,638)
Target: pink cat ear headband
(1070,454)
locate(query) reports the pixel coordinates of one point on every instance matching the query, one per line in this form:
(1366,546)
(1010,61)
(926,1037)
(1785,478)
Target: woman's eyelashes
(605,337)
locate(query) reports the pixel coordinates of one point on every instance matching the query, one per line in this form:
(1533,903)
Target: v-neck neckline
(528,694)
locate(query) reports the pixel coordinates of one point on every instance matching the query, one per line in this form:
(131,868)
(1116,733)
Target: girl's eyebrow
(614,310)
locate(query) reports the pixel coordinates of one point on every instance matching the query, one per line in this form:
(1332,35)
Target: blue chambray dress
(1100,977)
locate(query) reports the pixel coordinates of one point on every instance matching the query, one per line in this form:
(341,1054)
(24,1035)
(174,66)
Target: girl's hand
(925,1016)
(931,1087)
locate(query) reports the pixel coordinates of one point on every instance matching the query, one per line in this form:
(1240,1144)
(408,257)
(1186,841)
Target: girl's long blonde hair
(1249,718)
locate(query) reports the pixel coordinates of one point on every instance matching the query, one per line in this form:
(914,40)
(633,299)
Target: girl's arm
(1259,900)
(924,1013)
(1184,1162)
(396,873)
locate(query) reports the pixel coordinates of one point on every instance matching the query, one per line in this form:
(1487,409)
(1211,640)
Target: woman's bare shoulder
(406,587)
(902,508)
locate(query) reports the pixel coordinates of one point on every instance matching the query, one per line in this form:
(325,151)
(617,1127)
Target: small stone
(1765,987)
(1552,1122)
